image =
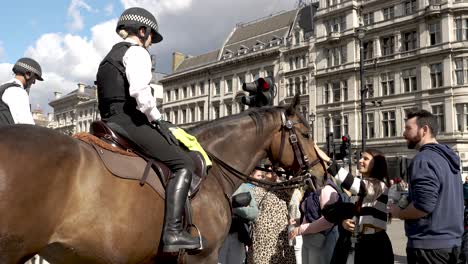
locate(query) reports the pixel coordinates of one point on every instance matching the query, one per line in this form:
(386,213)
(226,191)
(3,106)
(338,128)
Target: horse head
(292,146)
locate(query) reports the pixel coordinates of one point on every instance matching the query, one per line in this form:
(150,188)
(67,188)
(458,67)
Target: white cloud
(74,14)
(67,59)
(109,9)
(159,7)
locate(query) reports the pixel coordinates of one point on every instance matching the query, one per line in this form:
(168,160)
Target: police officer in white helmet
(14,94)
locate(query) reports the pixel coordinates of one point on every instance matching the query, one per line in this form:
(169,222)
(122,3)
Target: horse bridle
(302,177)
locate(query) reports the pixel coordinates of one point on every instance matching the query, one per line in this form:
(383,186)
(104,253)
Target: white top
(17,100)
(137,62)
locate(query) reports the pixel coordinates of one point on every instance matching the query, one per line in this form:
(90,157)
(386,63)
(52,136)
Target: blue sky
(70,37)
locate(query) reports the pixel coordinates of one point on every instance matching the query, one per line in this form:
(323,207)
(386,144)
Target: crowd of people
(345,220)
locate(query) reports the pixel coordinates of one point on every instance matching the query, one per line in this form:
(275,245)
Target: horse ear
(292,107)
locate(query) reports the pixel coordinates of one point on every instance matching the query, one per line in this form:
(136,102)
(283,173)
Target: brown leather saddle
(126,160)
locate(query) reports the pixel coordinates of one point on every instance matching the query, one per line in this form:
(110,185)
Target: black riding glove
(333,168)
(163,129)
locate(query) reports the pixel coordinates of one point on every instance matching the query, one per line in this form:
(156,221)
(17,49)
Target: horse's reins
(305,165)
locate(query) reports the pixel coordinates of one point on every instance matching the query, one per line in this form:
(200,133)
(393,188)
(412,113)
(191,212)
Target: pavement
(396,232)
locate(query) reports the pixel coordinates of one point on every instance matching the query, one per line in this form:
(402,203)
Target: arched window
(297,83)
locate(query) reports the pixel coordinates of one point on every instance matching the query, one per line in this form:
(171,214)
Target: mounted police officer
(128,106)
(14,94)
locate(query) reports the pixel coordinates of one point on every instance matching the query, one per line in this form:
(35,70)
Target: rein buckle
(293,138)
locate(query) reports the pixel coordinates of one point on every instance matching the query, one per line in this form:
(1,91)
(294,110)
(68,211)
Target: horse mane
(256,114)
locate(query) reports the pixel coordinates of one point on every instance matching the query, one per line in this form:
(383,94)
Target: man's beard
(413,142)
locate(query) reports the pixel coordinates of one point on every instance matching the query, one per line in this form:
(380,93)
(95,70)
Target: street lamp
(311,122)
(360,34)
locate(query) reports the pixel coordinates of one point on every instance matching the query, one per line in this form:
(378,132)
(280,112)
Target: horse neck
(237,143)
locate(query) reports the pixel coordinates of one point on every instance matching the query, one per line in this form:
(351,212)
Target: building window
(461,28)
(336,56)
(327,125)
(168,98)
(388,83)
(192,115)
(369,85)
(388,45)
(410,40)
(389,12)
(176,117)
(193,91)
(229,86)
(344,88)
(202,88)
(326,93)
(459,72)
(184,116)
(462,117)
(241,80)
(336,120)
(409,80)
(228,109)
(304,85)
(345,125)
(291,88)
(438,111)
(184,92)
(336,24)
(201,111)
(434,33)
(336,89)
(389,123)
(368,49)
(368,19)
(436,75)
(176,94)
(410,7)
(215,111)
(217,88)
(370,126)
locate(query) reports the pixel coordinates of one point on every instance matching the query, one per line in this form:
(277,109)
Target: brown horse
(57,198)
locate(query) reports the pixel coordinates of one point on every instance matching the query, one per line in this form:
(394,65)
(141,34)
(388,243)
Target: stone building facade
(415,55)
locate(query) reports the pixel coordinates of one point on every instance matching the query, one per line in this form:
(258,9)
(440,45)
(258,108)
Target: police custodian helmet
(28,65)
(134,18)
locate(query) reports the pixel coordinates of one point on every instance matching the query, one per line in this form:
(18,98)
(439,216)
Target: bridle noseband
(287,125)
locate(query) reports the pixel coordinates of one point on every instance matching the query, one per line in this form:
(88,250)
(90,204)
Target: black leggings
(374,248)
(135,126)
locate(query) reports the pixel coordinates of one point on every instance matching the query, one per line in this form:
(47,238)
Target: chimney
(81,87)
(177,59)
(57,95)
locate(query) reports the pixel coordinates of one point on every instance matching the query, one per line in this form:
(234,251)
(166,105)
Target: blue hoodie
(435,187)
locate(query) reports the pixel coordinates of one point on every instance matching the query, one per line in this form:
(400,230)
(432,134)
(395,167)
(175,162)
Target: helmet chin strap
(144,38)
(29,81)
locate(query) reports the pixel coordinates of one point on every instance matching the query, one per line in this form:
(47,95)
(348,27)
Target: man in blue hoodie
(434,215)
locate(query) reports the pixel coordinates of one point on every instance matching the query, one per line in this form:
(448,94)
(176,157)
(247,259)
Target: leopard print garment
(270,237)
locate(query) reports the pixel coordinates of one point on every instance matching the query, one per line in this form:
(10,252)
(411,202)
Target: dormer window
(227,54)
(242,50)
(258,46)
(275,41)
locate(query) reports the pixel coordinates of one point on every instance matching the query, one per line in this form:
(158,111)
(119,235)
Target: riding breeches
(150,140)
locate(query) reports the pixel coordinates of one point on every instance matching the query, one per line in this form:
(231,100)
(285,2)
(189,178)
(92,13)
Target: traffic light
(261,92)
(345,147)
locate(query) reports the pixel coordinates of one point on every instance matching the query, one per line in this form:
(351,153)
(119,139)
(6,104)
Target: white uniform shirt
(137,62)
(17,100)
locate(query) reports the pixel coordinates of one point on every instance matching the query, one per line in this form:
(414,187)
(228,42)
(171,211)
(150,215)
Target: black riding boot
(174,236)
